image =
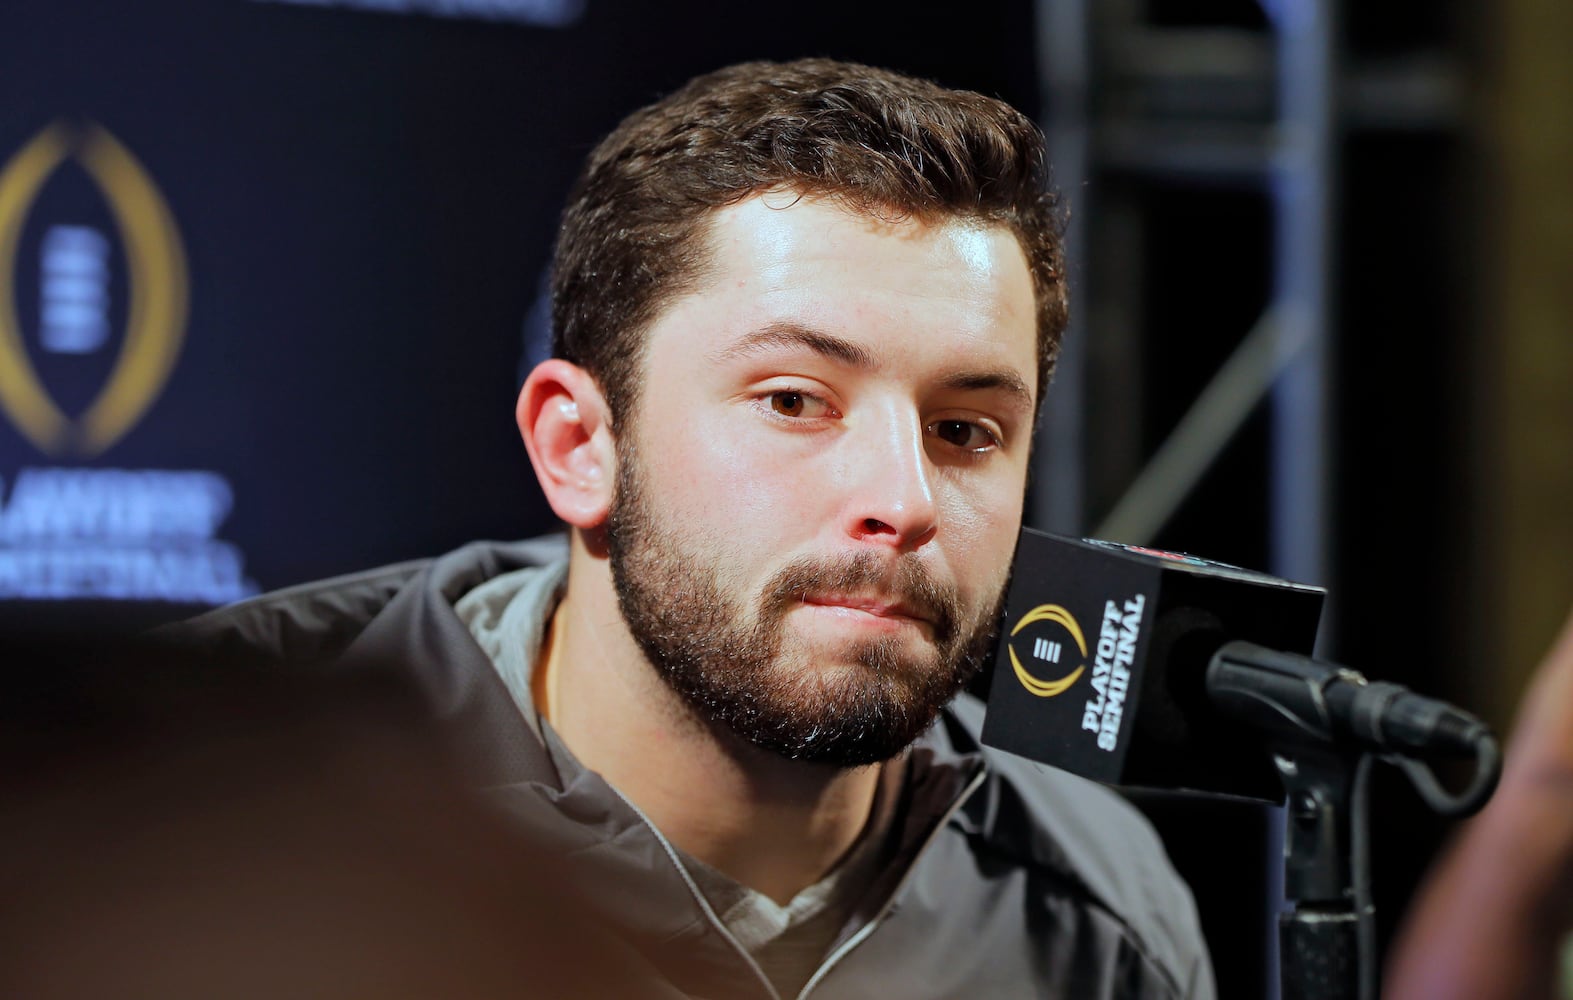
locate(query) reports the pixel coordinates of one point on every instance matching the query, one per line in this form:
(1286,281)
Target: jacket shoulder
(308,622)
(318,620)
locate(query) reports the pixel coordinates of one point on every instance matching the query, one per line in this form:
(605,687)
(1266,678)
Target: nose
(892,491)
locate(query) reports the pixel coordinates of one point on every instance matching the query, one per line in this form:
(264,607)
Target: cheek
(713,475)
(984,526)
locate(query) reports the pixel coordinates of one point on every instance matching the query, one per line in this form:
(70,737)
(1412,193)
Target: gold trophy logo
(1049,651)
(156,306)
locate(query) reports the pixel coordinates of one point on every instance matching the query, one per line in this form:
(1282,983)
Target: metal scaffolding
(1211,105)
(1261,108)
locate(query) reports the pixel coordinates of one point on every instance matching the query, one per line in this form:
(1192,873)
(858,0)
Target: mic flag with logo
(1102,655)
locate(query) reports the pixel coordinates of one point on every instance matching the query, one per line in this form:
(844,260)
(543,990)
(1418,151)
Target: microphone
(1134,666)
(1325,703)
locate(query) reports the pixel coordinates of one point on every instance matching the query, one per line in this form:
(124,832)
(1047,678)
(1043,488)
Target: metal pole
(1303,192)
(1058,474)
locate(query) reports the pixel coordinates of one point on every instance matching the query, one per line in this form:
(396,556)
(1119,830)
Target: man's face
(820,488)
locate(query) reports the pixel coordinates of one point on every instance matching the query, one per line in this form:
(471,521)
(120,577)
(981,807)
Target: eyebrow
(796,335)
(1007,381)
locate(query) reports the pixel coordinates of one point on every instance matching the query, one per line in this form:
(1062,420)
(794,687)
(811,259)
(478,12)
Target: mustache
(907,581)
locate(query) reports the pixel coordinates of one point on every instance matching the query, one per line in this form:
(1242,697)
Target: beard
(738,668)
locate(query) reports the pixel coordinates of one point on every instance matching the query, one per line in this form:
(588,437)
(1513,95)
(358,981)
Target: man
(804,317)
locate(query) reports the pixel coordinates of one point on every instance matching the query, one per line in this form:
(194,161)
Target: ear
(564,422)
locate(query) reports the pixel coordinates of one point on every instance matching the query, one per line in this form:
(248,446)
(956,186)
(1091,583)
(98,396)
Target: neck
(773,824)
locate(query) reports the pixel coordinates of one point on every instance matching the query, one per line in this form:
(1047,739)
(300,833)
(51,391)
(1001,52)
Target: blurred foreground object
(177,829)
(1489,922)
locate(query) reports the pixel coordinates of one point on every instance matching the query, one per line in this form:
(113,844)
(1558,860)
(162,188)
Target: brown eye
(961,434)
(788,404)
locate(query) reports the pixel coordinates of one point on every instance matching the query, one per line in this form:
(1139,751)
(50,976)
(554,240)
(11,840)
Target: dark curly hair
(632,236)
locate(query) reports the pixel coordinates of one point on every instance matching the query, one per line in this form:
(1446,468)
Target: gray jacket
(1023,882)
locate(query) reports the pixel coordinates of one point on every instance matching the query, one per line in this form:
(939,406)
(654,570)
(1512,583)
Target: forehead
(947,286)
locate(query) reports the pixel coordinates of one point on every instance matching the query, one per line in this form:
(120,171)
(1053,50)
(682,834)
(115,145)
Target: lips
(867,590)
(870,605)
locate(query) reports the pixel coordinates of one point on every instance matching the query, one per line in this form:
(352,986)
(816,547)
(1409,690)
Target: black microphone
(1134,666)
(1326,703)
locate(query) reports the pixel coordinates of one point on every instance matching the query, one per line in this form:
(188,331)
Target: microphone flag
(1102,655)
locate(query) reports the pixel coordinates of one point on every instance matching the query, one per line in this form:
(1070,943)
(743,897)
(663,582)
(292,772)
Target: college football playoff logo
(1048,626)
(156,291)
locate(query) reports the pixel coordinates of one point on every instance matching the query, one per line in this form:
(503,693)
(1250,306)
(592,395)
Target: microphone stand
(1325,938)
